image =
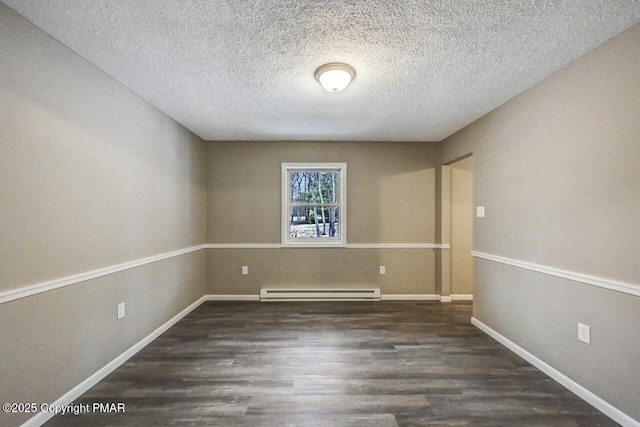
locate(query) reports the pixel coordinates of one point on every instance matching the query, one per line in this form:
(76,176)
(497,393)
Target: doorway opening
(457,230)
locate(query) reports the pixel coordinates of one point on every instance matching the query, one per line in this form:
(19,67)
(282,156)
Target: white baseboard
(383,297)
(455,297)
(409,297)
(231,297)
(595,401)
(348,245)
(85,385)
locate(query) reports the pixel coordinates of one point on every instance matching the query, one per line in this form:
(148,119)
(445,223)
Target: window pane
(314,187)
(314,222)
(313,197)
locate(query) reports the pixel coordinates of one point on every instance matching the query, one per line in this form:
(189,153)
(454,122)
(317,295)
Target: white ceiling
(243,70)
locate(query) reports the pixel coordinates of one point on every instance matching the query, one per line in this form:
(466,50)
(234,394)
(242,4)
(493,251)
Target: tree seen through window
(314,204)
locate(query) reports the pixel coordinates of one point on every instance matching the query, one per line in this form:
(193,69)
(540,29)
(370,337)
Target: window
(314,204)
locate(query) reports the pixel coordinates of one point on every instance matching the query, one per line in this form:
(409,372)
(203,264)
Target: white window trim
(341,168)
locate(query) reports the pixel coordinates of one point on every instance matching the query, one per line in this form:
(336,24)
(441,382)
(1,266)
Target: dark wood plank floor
(332,364)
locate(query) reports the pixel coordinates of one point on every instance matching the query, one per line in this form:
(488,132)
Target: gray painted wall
(90,176)
(557,169)
(391,189)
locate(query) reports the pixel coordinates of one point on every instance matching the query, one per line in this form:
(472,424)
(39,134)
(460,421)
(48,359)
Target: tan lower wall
(408,271)
(540,313)
(53,341)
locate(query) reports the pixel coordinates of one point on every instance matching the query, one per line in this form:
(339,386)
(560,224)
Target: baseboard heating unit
(320,294)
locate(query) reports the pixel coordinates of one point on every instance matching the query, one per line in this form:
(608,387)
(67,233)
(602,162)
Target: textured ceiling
(243,70)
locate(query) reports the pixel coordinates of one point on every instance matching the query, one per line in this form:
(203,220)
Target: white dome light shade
(335,76)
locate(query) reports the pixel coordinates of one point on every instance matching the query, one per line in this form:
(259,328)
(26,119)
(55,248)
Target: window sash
(340,169)
(310,205)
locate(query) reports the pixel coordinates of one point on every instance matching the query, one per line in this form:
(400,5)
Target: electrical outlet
(245,270)
(383,270)
(121,312)
(584,333)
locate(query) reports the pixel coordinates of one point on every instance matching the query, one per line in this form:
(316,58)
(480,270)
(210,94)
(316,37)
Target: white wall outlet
(245,270)
(383,270)
(480,211)
(121,312)
(584,333)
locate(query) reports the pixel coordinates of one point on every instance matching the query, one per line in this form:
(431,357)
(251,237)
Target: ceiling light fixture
(335,76)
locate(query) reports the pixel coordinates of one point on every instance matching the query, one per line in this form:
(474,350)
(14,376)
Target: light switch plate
(383,270)
(480,211)
(245,270)
(121,311)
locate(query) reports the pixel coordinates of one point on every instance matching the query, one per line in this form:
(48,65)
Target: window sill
(313,245)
